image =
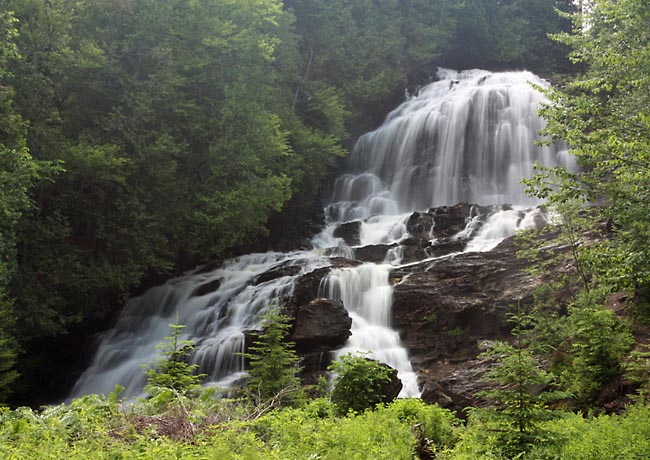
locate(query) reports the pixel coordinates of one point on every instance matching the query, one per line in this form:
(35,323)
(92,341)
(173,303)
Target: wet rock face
(435,233)
(307,286)
(449,220)
(375,253)
(278,272)
(419,225)
(206,288)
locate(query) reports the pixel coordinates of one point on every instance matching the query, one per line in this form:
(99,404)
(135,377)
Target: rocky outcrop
(278,272)
(448,309)
(375,253)
(437,232)
(307,285)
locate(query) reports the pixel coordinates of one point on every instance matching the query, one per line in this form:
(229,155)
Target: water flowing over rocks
(406,269)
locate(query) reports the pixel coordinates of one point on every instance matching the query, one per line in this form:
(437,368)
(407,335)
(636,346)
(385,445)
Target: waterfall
(367,295)
(217,307)
(467,137)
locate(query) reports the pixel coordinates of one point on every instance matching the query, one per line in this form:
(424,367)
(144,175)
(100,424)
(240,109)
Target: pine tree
(518,397)
(172,371)
(273,361)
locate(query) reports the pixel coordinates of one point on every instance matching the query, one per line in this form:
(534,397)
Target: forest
(141,138)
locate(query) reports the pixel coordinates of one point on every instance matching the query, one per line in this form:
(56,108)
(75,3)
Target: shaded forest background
(140,138)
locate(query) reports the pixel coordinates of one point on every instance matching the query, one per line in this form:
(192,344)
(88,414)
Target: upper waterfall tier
(469,137)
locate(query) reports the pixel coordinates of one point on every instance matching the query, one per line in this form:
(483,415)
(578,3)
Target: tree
(519,398)
(167,158)
(273,363)
(18,173)
(172,371)
(510,33)
(603,115)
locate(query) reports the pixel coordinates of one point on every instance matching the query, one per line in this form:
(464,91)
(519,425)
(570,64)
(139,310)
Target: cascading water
(367,295)
(468,137)
(216,307)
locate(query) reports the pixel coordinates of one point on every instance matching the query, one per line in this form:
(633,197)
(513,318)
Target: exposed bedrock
(447,311)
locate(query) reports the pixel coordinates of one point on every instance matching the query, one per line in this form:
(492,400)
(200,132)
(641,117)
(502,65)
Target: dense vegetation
(98,427)
(181,420)
(139,137)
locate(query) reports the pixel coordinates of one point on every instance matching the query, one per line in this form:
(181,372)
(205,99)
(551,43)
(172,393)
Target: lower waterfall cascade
(468,137)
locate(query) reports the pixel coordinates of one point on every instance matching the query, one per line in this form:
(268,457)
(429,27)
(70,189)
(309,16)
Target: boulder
(350,232)
(206,288)
(321,325)
(390,390)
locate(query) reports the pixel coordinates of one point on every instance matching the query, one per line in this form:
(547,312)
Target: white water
(215,322)
(368,297)
(468,137)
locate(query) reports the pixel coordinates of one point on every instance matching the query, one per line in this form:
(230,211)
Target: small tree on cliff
(274,362)
(519,401)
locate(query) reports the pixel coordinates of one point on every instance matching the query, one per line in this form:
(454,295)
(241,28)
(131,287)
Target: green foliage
(358,383)
(102,427)
(573,437)
(637,368)
(603,116)
(18,172)
(436,424)
(273,362)
(170,124)
(172,371)
(599,438)
(140,138)
(511,33)
(598,344)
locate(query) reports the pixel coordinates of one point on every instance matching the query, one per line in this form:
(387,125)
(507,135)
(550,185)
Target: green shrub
(437,425)
(297,434)
(598,343)
(358,383)
(598,438)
